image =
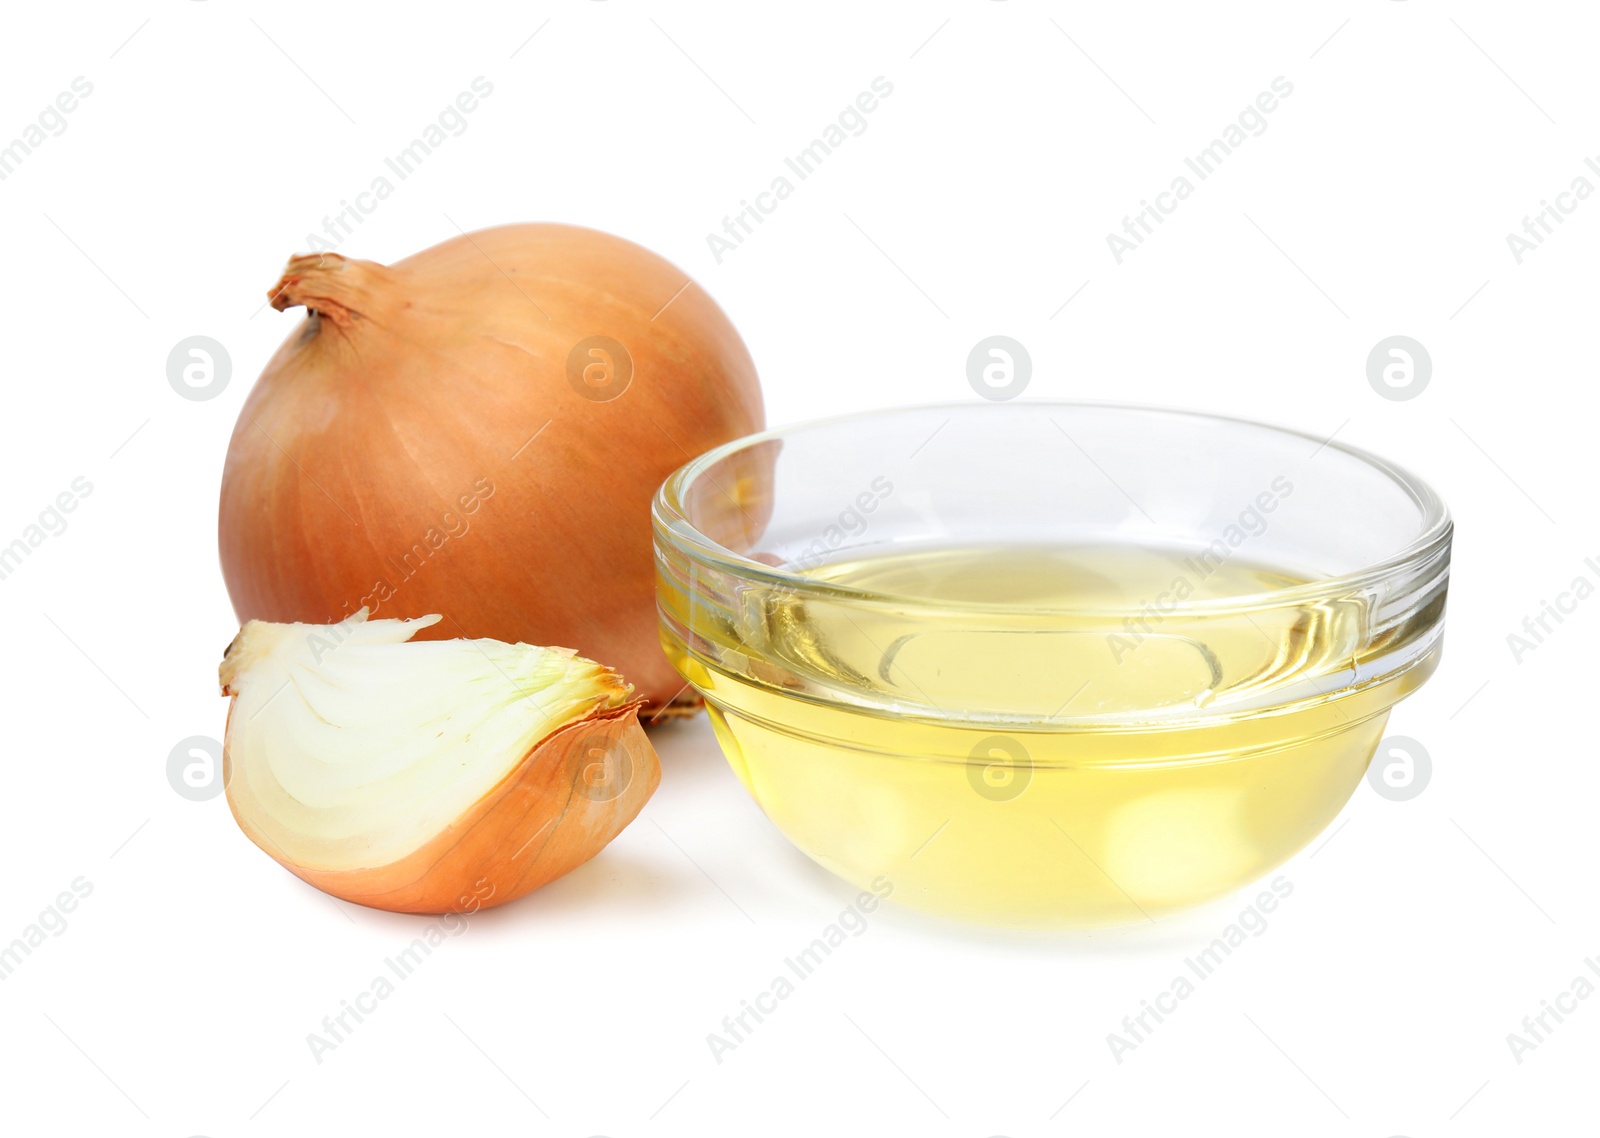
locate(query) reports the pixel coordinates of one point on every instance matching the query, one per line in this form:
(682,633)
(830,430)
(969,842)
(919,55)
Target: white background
(178,999)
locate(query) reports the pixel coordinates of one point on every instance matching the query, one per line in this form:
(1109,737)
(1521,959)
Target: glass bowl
(1049,664)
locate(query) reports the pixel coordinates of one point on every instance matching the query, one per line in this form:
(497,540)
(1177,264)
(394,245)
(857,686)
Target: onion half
(427,776)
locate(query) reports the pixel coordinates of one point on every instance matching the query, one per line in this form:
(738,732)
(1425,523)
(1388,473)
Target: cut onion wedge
(429,776)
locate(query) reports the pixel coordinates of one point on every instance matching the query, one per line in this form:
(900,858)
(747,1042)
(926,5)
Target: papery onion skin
(384,456)
(537,825)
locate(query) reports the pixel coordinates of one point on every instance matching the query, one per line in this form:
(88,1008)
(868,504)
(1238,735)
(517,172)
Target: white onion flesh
(350,746)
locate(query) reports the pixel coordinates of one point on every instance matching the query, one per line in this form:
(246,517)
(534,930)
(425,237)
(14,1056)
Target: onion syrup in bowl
(1049,664)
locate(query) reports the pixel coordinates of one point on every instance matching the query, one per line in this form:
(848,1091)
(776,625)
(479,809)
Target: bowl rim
(671,524)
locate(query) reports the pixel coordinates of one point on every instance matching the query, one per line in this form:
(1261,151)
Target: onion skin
(356,474)
(539,823)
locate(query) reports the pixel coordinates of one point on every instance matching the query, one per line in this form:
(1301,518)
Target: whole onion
(477,431)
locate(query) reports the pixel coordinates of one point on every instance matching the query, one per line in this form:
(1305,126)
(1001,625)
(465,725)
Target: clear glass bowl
(1049,664)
